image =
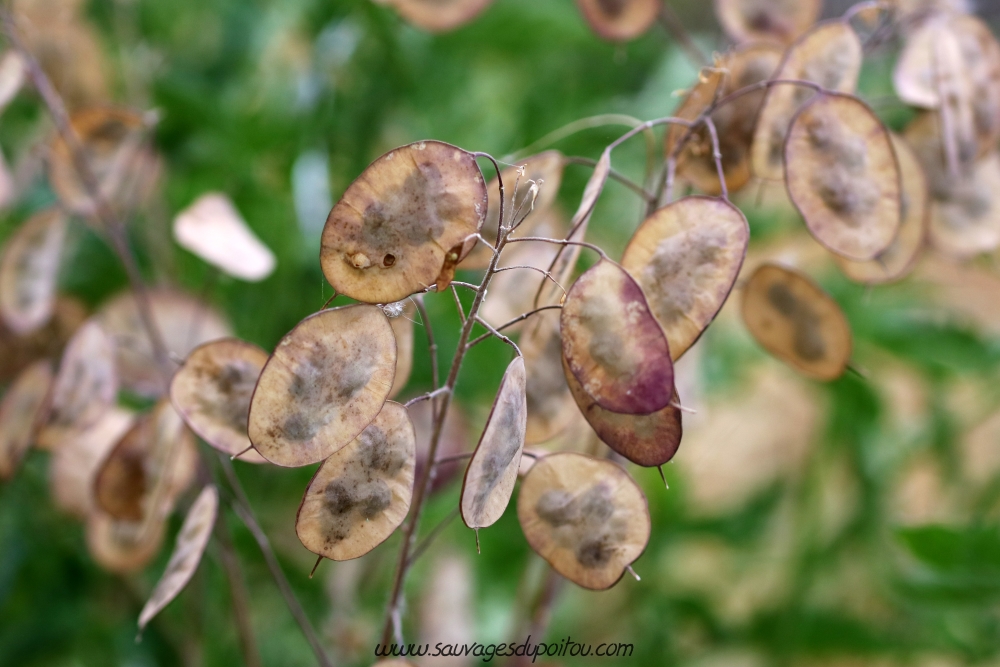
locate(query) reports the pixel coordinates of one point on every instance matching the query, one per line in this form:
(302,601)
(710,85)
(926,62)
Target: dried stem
(497,334)
(458,303)
(614,174)
(419,550)
(238,594)
(717,157)
(519,318)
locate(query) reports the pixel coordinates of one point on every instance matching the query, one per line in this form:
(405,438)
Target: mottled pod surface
(402,220)
(842,175)
(766,20)
(612,343)
(438,15)
(896,261)
(325,382)
(490,476)
(361,494)
(619,20)
(585,516)
(686,257)
(830,56)
(212,392)
(29,269)
(646,440)
(22,410)
(796,321)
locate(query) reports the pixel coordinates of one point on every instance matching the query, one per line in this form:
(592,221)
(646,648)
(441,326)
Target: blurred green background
(849,523)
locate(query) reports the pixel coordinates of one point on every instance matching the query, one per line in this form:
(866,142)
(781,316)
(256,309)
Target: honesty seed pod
(191,543)
(123,546)
(489,479)
(896,261)
(18,352)
(828,55)
(842,175)
(613,344)
(403,221)
(686,257)
(29,268)
(23,409)
(361,494)
(769,20)
(585,516)
(438,15)
(796,321)
(401,316)
(646,440)
(619,20)
(326,381)
(212,392)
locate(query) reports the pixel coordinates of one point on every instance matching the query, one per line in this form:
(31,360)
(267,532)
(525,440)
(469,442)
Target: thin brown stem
(519,318)
(563,242)
(424,544)
(673,25)
(238,594)
(458,303)
(717,157)
(615,175)
(497,334)
(545,273)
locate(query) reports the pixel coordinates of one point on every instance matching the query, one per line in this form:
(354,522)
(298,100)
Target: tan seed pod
(402,328)
(585,516)
(121,546)
(29,268)
(212,392)
(898,259)
(113,140)
(492,471)
(842,175)
(74,463)
(85,387)
(619,20)
(148,468)
(686,257)
(703,95)
(325,382)
(18,352)
(406,217)
(550,406)
(796,321)
(646,440)
(612,343)
(781,21)
(534,191)
(22,411)
(182,321)
(438,15)
(214,230)
(828,55)
(190,547)
(13,74)
(361,494)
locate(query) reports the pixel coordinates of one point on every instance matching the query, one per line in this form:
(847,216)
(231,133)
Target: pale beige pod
(550,405)
(619,20)
(29,269)
(212,392)
(585,516)
(405,220)
(841,173)
(796,321)
(361,494)
(780,21)
(830,56)
(326,381)
(23,410)
(121,546)
(686,257)
(438,15)
(492,471)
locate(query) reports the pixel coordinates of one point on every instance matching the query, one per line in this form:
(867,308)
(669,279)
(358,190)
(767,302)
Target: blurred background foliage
(849,523)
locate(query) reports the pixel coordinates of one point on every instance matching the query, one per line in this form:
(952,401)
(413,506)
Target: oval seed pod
(85,387)
(401,318)
(190,546)
(18,352)
(29,268)
(898,259)
(438,15)
(842,175)
(781,21)
(686,257)
(22,411)
(489,479)
(183,323)
(585,516)
(148,468)
(796,321)
(828,55)
(619,20)
(544,171)
(646,440)
(698,99)
(326,381)
(121,546)
(214,230)
(361,494)
(212,392)
(550,406)
(13,74)
(613,344)
(402,220)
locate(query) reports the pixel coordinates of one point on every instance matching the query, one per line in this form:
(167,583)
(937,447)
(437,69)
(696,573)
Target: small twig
(453,457)
(470,286)
(499,335)
(432,348)
(435,531)
(458,303)
(578,126)
(424,397)
(534,268)
(614,174)
(238,594)
(563,242)
(512,322)
(717,157)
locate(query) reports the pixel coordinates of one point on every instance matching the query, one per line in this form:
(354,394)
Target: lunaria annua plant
(594,347)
